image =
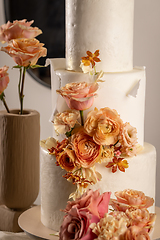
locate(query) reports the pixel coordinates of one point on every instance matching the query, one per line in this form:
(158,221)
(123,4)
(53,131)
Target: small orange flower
(91,58)
(117,163)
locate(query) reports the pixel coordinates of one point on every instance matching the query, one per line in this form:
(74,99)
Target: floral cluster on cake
(90,217)
(25,50)
(100,138)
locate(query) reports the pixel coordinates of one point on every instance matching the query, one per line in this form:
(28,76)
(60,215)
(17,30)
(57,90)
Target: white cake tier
(55,189)
(124,91)
(141,175)
(106,25)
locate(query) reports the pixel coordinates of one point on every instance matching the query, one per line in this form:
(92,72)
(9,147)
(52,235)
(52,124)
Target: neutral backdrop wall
(146,53)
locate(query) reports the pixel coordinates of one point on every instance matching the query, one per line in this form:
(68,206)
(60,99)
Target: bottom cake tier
(55,190)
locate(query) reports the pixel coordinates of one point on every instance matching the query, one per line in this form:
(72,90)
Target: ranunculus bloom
(65,121)
(91,201)
(87,151)
(141,218)
(135,233)
(76,225)
(25,51)
(104,125)
(66,159)
(128,139)
(79,96)
(18,29)
(4,78)
(131,198)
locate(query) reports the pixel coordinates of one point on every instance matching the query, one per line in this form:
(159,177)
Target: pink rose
(135,233)
(18,29)
(131,198)
(4,78)
(91,201)
(25,51)
(76,225)
(79,96)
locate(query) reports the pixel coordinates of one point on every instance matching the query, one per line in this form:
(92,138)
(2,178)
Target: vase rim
(15,112)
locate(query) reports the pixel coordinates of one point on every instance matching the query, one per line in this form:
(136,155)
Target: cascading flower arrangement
(25,50)
(100,138)
(95,216)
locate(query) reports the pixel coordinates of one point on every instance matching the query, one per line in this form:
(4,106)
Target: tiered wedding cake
(106,26)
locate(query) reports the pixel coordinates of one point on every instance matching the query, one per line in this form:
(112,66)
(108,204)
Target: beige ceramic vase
(19,158)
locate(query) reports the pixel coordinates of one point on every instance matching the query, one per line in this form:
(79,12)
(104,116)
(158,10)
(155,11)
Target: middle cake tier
(123,91)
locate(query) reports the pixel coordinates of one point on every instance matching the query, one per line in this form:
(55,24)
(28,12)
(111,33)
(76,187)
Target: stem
(82,120)
(5,104)
(21,92)
(19,85)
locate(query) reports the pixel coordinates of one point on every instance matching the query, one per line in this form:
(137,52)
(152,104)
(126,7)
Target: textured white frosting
(106,25)
(55,189)
(112,93)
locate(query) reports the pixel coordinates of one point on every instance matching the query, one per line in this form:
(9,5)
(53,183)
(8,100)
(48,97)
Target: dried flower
(117,163)
(91,58)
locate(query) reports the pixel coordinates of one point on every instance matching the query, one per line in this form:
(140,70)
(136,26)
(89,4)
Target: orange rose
(79,96)
(25,51)
(104,125)
(87,151)
(4,78)
(18,29)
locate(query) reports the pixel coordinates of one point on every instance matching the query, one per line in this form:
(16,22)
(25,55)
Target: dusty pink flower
(141,218)
(87,151)
(128,139)
(4,78)
(79,96)
(65,121)
(76,225)
(18,29)
(104,125)
(131,198)
(25,51)
(135,233)
(91,201)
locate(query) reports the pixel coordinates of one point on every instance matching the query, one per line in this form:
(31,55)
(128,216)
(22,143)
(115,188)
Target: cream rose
(65,121)
(18,29)
(25,51)
(104,125)
(79,96)
(128,139)
(87,151)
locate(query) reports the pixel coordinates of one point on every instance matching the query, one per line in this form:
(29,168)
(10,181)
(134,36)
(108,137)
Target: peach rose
(87,151)
(141,218)
(65,121)
(25,51)
(128,139)
(104,125)
(131,198)
(91,201)
(79,96)
(18,29)
(135,233)
(4,78)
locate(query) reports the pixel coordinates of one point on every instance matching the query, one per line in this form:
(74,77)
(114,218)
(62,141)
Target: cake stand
(30,222)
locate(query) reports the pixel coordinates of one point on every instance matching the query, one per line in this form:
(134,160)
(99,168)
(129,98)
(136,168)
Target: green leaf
(17,66)
(36,66)
(2,95)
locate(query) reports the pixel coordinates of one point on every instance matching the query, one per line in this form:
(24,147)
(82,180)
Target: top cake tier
(106,25)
